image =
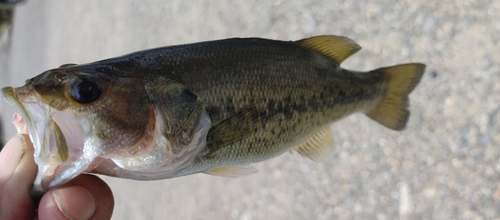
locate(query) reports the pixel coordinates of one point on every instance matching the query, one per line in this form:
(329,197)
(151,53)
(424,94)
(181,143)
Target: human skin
(85,197)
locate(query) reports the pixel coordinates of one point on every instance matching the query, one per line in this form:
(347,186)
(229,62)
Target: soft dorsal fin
(318,147)
(232,171)
(336,47)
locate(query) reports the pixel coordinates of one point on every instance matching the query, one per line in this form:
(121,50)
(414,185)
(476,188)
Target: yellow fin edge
(336,47)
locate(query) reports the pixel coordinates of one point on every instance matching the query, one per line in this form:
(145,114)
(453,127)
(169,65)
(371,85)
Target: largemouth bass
(214,107)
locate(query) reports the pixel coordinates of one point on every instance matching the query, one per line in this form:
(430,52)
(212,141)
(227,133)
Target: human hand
(85,197)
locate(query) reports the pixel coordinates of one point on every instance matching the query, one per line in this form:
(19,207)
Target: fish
(213,107)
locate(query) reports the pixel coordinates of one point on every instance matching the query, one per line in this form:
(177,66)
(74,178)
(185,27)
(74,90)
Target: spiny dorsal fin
(392,111)
(318,147)
(336,47)
(232,171)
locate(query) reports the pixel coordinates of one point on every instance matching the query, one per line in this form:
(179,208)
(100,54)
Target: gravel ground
(445,165)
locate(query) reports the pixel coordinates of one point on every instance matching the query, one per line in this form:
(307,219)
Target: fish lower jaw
(44,179)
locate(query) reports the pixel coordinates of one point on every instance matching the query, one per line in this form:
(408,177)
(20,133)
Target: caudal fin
(392,110)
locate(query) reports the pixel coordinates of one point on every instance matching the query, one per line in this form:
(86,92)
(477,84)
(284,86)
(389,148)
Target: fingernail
(11,155)
(75,202)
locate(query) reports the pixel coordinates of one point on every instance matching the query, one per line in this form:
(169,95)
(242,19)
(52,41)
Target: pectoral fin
(232,171)
(318,147)
(235,128)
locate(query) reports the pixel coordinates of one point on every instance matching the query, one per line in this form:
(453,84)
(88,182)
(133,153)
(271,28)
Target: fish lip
(11,97)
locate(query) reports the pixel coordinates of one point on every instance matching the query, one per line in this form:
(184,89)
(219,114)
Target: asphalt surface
(445,165)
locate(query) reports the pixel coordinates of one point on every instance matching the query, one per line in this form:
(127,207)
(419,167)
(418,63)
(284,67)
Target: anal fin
(232,171)
(318,147)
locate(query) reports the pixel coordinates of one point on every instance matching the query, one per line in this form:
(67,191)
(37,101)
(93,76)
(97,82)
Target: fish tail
(392,111)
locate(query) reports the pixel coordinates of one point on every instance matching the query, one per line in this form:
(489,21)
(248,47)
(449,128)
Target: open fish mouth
(50,145)
(33,121)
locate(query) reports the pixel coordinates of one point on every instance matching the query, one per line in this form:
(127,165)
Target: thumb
(17,173)
(85,197)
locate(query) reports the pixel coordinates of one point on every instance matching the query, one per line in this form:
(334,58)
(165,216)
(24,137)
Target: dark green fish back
(237,74)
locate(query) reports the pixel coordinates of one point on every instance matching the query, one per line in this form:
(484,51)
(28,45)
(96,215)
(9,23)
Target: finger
(85,197)
(17,173)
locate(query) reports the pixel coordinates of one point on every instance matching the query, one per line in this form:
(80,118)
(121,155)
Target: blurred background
(445,165)
(7,8)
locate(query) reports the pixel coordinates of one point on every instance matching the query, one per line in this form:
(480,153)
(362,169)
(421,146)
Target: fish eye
(85,91)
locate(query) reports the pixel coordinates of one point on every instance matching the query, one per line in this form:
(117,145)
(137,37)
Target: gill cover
(179,134)
(178,109)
